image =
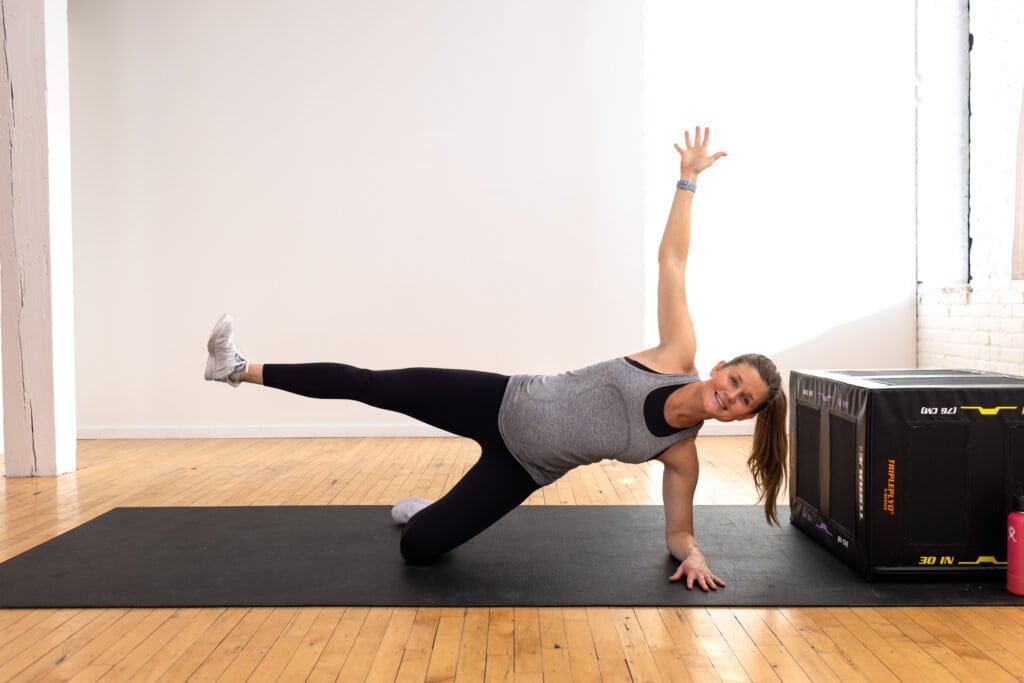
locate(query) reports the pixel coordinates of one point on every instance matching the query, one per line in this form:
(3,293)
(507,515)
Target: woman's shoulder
(664,361)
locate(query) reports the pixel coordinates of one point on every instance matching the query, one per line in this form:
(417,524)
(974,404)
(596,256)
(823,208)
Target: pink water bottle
(1015,547)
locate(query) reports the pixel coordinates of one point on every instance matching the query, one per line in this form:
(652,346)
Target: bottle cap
(1018,503)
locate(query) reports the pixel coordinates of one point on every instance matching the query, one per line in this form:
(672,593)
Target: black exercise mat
(348,555)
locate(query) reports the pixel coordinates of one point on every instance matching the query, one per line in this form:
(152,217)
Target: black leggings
(463,402)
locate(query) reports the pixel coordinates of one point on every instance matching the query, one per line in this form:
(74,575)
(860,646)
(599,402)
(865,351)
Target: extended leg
(463,402)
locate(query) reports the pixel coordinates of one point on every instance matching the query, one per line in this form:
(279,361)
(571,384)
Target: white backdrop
(475,185)
(803,238)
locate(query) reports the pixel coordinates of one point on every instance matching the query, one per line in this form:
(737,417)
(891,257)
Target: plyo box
(907,472)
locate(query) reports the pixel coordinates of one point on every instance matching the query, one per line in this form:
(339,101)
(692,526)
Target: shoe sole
(222,322)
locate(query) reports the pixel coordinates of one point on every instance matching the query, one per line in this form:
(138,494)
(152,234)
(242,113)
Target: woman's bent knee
(417,550)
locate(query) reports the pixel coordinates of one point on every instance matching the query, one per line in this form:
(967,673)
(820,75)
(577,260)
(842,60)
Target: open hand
(695,570)
(694,158)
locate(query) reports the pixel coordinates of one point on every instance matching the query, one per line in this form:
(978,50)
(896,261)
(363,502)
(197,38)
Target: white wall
(803,243)
(980,324)
(386,184)
(463,184)
(943,144)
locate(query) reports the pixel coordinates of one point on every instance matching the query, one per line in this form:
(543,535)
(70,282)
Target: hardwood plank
(185,627)
(553,645)
(943,652)
(53,648)
(715,646)
(898,653)
(500,669)
(388,657)
(684,641)
(580,644)
(323,632)
(473,649)
(611,658)
(669,659)
(115,643)
(285,646)
(811,664)
(444,659)
(746,651)
(250,656)
(227,650)
(782,662)
(42,667)
(11,620)
(995,623)
(501,632)
(836,659)
(360,654)
(639,660)
(864,660)
(528,658)
(419,646)
(194,656)
(977,631)
(36,624)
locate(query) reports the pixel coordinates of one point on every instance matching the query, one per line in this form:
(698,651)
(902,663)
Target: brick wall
(980,325)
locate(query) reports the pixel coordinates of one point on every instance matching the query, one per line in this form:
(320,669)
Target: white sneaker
(225,364)
(406,508)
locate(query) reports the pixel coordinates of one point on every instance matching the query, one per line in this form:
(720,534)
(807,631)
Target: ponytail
(767,461)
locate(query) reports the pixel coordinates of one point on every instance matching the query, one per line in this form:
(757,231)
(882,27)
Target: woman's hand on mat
(694,157)
(696,571)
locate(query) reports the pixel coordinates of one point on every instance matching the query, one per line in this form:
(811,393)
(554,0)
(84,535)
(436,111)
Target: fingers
(700,580)
(710,582)
(694,157)
(696,138)
(705,582)
(698,141)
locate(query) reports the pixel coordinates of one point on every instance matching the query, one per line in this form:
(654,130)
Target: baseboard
(229,431)
(258,431)
(740,428)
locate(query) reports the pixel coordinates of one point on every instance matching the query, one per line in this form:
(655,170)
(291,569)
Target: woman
(534,429)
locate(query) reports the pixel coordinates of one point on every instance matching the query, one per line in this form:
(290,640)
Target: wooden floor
(349,644)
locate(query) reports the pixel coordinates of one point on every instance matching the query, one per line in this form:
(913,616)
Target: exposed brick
(981,325)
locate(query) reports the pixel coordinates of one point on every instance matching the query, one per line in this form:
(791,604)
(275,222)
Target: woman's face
(733,392)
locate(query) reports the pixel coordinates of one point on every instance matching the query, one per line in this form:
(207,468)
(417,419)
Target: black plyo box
(907,472)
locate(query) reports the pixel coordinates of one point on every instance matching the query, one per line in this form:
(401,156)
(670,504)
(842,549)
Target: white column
(943,78)
(36,284)
(1018,205)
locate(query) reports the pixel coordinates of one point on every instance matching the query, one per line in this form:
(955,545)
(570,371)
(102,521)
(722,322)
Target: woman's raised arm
(675,327)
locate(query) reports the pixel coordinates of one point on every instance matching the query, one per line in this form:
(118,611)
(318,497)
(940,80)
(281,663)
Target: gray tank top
(553,423)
